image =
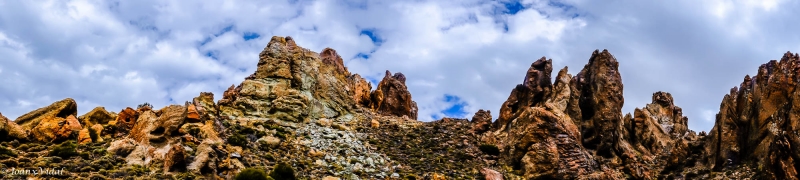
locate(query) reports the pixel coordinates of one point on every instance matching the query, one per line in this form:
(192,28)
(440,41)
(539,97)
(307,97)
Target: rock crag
(303,114)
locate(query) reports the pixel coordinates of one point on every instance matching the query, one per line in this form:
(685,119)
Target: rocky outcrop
(758,120)
(10,130)
(392,98)
(574,128)
(362,90)
(56,129)
(481,121)
(60,109)
(305,111)
(55,122)
(534,134)
(601,101)
(291,84)
(98,115)
(125,121)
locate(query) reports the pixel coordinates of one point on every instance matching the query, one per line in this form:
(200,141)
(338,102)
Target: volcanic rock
(481,121)
(291,84)
(60,109)
(125,121)
(758,120)
(392,98)
(10,130)
(98,115)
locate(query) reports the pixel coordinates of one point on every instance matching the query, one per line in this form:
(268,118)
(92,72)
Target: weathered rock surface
(392,98)
(125,121)
(10,130)
(574,128)
(98,115)
(758,121)
(481,121)
(60,109)
(306,110)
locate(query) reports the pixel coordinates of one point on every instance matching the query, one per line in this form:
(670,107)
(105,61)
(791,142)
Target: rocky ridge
(306,110)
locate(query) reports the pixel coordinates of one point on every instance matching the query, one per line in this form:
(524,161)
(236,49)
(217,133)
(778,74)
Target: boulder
(60,109)
(489,174)
(56,129)
(10,130)
(98,115)
(122,147)
(84,137)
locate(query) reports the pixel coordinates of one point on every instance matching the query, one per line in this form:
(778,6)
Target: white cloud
(122,53)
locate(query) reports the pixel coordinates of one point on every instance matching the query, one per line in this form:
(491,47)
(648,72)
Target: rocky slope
(303,114)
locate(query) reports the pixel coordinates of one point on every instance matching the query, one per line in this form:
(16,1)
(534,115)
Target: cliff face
(304,111)
(758,121)
(574,128)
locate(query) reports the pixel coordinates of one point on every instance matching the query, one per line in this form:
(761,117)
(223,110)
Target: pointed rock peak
(663,98)
(563,76)
(789,56)
(603,57)
(539,74)
(747,83)
(481,121)
(393,98)
(400,77)
(330,57)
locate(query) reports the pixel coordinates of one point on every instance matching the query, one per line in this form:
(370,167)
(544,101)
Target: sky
(458,56)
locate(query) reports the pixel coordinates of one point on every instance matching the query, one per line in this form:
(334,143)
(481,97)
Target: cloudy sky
(459,56)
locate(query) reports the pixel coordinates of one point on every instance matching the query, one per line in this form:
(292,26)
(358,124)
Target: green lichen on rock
(252,174)
(283,171)
(65,150)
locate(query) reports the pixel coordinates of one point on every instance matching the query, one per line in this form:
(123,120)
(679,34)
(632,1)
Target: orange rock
(98,115)
(392,97)
(192,115)
(84,137)
(99,130)
(490,174)
(375,123)
(437,176)
(125,121)
(14,131)
(362,90)
(175,159)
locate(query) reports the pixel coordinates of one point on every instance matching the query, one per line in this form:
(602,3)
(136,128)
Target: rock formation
(758,121)
(392,98)
(305,110)
(574,128)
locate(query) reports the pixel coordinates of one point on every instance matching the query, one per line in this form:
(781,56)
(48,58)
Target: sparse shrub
(252,174)
(6,151)
(490,149)
(85,155)
(93,134)
(282,171)
(146,104)
(238,140)
(64,150)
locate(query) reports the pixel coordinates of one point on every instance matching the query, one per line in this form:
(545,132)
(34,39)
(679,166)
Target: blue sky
(458,56)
